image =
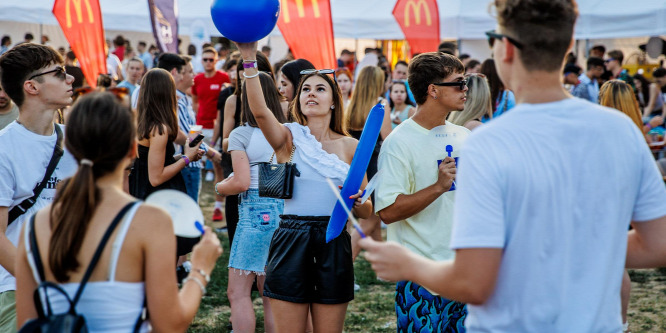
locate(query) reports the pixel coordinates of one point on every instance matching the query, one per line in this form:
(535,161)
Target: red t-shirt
(207,89)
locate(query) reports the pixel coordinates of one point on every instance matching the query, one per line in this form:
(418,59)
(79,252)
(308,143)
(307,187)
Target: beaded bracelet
(196,279)
(202,273)
(216,192)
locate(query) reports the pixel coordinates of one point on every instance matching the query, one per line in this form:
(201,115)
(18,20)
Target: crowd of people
(506,186)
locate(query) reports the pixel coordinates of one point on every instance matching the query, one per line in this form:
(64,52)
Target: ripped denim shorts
(258,217)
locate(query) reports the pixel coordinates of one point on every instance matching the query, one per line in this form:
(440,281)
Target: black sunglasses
(60,71)
(492,35)
(208,59)
(460,84)
(320,71)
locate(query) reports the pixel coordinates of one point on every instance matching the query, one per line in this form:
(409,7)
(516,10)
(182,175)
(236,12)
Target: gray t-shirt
(7,118)
(252,141)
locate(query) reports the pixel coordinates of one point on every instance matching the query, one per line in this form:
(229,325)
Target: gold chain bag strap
(277,180)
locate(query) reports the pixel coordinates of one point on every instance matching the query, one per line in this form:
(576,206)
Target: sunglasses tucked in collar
(60,71)
(492,35)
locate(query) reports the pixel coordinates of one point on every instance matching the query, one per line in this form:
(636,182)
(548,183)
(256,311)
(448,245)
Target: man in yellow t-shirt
(416,190)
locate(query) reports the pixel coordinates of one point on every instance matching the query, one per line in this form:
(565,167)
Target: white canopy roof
(372,19)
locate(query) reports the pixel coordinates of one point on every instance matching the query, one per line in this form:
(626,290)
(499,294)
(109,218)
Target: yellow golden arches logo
(79,13)
(300,9)
(416,8)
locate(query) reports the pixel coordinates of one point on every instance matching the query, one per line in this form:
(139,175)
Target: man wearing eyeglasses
(545,198)
(33,76)
(205,91)
(415,192)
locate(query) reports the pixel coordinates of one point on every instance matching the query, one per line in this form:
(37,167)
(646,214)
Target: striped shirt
(186,119)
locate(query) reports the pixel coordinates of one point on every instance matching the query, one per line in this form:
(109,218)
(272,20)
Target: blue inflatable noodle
(359,165)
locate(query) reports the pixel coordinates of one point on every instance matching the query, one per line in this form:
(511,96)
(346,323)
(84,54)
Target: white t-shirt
(112,62)
(409,162)
(555,186)
(254,144)
(24,157)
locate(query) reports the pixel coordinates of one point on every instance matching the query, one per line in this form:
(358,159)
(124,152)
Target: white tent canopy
(373,19)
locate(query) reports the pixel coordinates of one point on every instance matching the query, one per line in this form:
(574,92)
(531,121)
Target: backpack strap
(23,207)
(98,253)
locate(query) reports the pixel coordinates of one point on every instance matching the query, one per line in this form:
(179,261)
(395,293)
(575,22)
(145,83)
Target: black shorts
(303,268)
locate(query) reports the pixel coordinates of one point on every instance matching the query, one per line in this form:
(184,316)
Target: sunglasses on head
(460,84)
(320,71)
(492,36)
(60,71)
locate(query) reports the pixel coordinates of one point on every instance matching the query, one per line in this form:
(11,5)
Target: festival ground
(372,310)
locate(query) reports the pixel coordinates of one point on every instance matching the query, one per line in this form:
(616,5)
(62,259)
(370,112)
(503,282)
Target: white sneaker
(210,176)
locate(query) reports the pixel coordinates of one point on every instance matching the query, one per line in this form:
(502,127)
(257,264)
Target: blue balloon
(245,21)
(359,165)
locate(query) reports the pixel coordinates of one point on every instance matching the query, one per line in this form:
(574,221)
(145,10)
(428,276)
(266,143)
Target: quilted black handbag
(277,180)
(70,321)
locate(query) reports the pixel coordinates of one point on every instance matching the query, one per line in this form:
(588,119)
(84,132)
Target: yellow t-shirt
(409,163)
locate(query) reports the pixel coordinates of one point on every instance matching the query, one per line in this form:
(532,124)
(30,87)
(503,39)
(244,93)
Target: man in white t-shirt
(416,189)
(34,78)
(546,194)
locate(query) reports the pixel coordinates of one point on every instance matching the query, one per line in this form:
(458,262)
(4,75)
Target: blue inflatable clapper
(359,165)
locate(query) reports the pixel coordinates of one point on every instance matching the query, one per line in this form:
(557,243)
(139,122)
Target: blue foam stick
(359,165)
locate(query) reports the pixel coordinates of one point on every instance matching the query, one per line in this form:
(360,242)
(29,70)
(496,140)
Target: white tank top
(312,195)
(108,306)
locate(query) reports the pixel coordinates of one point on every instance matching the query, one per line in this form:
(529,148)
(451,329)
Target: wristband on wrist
(196,279)
(215,188)
(186,159)
(249,64)
(250,76)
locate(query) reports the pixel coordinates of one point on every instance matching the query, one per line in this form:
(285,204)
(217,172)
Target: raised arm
(277,135)
(654,94)
(386,123)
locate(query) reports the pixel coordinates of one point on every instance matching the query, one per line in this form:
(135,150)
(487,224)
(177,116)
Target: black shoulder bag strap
(23,207)
(91,266)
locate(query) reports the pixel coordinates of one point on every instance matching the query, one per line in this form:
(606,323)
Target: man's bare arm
(646,247)
(7,249)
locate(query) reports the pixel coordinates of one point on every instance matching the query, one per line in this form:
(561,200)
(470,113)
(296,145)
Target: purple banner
(164,19)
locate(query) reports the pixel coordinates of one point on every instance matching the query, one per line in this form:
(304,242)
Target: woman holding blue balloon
(305,273)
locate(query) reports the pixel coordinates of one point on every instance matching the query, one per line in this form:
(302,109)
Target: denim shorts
(258,219)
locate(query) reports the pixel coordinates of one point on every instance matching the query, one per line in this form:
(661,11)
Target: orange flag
(419,21)
(307,27)
(81,22)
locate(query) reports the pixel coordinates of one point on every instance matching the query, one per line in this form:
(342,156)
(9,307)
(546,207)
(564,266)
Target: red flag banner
(81,22)
(419,21)
(307,27)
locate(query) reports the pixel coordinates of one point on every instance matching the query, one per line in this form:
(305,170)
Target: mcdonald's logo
(416,8)
(79,13)
(301,9)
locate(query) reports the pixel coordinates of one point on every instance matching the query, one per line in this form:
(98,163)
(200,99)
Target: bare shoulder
(349,146)
(231,101)
(153,219)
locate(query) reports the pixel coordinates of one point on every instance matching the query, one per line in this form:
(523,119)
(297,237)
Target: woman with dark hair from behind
(502,99)
(102,138)
(259,216)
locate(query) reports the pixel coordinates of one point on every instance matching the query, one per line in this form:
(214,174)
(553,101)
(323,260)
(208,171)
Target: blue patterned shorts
(419,311)
(258,218)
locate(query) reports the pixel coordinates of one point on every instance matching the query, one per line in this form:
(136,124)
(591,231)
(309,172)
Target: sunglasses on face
(460,84)
(320,71)
(492,36)
(608,60)
(60,71)
(207,59)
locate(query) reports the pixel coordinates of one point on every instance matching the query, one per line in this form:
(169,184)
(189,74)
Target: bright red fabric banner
(419,21)
(307,27)
(81,22)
